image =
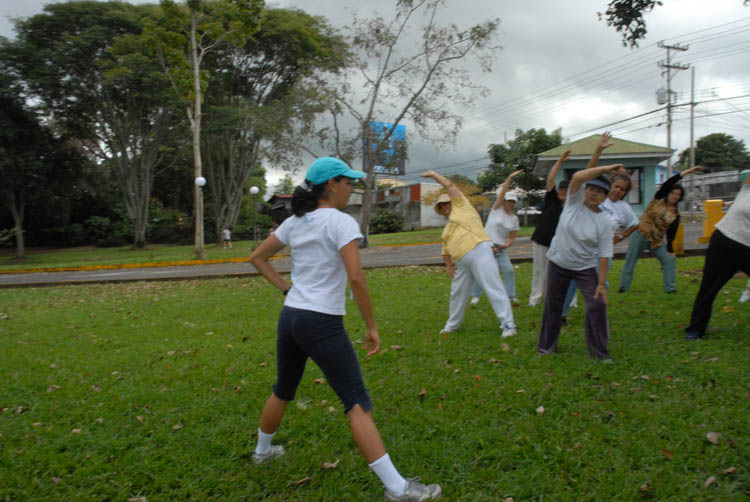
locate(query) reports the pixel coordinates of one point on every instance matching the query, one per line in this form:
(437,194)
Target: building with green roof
(641,161)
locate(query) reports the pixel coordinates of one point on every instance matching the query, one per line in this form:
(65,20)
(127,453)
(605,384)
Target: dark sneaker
(692,336)
(621,290)
(416,492)
(275,451)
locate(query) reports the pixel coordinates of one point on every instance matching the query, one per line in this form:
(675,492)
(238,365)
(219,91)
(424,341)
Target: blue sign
(391,159)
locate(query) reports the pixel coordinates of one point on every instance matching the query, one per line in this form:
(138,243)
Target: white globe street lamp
(254,192)
(200,181)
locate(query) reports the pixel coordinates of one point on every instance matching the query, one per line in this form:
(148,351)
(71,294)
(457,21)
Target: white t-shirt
(620,213)
(582,235)
(226,234)
(500,224)
(318,272)
(736,223)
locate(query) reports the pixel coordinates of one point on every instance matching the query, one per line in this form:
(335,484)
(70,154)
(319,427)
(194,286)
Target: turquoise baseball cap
(325,168)
(743,175)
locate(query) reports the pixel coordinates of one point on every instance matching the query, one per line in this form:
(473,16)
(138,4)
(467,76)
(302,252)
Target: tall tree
(285,186)
(182,38)
(718,152)
(627,17)
(261,96)
(112,102)
(520,153)
(400,75)
(35,165)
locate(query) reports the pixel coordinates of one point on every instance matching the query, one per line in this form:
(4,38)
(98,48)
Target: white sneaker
(275,451)
(474,300)
(509,329)
(416,491)
(574,301)
(745,296)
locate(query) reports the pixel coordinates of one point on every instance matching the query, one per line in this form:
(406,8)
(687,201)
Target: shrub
(386,222)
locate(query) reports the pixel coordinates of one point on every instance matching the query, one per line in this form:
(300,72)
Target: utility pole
(669,66)
(692,143)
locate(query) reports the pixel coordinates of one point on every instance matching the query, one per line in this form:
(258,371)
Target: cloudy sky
(559,66)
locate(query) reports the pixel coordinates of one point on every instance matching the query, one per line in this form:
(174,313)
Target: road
(373,257)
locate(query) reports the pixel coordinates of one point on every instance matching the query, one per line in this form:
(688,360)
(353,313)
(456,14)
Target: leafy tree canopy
(520,153)
(627,18)
(718,152)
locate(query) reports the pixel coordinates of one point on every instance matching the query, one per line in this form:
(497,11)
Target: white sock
(386,471)
(264,442)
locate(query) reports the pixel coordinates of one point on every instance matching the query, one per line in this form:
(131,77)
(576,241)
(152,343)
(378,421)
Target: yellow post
(712,209)
(678,242)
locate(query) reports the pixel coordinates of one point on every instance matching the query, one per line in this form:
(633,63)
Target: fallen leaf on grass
(177,427)
(320,381)
(396,347)
(540,410)
(728,309)
(75,431)
(263,365)
(55,480)
(53,388)
(710,481)
(713,437)
(139,418)
(330,465)
(302,481)
(667,454)
(422,393)
(508,499)
(731,470)
(505,347)
(137,499)
(645,487)
(492,361)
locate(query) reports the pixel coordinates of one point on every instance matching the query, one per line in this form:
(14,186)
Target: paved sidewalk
(372,257)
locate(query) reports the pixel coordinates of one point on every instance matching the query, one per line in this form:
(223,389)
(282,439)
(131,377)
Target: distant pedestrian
(583,236)
(502,227)
(660,219)
(325,254)
(728,252)
(467,253)
(226,236)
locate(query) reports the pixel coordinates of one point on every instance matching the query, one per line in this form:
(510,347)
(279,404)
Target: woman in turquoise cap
(325,253)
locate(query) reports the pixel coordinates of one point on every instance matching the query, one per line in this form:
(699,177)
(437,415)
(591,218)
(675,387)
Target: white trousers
(478,265)
(539,277)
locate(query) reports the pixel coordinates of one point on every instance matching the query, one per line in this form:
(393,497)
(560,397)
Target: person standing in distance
(325,252)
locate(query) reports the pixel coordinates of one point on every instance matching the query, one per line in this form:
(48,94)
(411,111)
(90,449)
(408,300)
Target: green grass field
(153,391)
(90,255)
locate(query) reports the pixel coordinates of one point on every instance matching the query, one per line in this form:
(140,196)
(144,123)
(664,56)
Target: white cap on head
(511,196)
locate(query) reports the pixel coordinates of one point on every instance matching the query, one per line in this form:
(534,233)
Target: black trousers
(724,258)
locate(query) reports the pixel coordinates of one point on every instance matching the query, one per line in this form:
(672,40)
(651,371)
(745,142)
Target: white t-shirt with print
(500,224)
(318,273)
(620,213)
(736,223)
(582,235)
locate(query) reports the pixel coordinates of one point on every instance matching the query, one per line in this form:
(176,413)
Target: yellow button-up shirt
(463,231)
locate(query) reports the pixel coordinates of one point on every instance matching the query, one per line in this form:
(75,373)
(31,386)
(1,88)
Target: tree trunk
(200,247)
(16,208)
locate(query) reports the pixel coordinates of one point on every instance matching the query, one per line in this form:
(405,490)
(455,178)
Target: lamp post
(200,250)
(254,192)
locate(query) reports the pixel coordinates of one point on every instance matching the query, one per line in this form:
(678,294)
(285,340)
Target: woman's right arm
(553,172)
(453,191)
(586,175)
(504,188)
(267,249)
(350,256)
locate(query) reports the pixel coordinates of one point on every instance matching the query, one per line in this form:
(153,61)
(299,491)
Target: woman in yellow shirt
(467,253)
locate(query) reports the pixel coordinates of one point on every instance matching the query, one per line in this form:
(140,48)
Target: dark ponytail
(306,196)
